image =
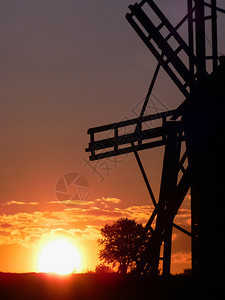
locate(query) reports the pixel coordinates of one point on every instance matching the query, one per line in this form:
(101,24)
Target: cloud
(5,225)
(81,222)
(78,221)
(14,202)
(72,202)
(109,200)
(140,213)
(77,234)
(20,203)
(183,217)
(181,258)
(26,229)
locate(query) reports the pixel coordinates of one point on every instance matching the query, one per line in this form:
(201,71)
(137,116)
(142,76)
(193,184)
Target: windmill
(197,123)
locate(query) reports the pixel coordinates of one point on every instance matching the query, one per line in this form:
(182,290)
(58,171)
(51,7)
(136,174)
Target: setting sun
(59,257)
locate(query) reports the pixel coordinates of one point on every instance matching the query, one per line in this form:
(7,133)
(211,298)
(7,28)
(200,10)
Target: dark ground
(95,287)
(91,286)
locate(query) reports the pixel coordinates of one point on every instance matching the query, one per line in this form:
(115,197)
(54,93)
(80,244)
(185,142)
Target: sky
(66,66)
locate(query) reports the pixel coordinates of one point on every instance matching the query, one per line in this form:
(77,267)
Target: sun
(59,257)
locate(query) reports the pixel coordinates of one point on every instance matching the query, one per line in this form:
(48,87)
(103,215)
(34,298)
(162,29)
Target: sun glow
(59,257)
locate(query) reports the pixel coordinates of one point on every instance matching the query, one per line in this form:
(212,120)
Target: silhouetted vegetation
(122,242)
(103,269)
(187,272)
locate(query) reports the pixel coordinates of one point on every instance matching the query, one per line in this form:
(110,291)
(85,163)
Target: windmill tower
(198,123)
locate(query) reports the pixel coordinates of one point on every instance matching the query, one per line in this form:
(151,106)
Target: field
(93,286)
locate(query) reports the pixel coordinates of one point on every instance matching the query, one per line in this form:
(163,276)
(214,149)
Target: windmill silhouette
(198,123)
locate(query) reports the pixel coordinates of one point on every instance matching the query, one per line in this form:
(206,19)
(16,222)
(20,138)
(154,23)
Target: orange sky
(67,66)
(23,234)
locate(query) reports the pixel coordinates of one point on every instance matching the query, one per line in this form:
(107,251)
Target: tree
(122,244)
(103,269)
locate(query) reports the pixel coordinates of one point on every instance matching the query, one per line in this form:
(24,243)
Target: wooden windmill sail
(198,123)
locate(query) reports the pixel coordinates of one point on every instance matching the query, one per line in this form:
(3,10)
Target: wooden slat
(131,122)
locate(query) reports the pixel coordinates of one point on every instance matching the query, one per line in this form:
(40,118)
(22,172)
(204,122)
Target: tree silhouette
(122,244)
(102,269)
